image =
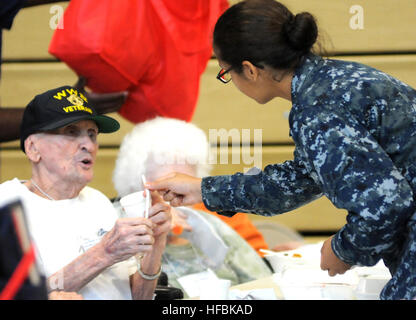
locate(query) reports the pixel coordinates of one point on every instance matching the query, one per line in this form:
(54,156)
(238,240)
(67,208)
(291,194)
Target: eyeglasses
(224,75)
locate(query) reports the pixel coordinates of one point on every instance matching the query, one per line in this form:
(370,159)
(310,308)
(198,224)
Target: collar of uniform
(300,82)
(309,63)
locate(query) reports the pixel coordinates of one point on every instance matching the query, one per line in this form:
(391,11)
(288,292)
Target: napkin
(255,294)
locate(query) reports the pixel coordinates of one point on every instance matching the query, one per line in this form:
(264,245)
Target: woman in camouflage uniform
(354,129)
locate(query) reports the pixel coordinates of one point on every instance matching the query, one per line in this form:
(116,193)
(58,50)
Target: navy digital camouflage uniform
(354,129)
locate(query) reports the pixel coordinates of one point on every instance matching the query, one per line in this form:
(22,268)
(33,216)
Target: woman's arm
(10,119)
(277,189)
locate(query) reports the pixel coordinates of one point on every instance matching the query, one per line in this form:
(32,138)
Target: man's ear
(32,151)
(250,71)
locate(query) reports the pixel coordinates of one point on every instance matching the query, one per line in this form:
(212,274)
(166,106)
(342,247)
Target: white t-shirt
(64,229)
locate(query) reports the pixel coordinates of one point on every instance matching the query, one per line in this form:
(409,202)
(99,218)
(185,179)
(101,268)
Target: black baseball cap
(59,107)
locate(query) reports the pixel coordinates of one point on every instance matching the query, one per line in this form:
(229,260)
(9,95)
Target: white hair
(160,141)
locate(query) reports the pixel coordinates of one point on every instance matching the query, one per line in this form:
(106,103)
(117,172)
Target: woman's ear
(250,71)
(32,151)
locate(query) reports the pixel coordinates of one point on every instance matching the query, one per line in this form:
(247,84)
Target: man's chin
(85,176)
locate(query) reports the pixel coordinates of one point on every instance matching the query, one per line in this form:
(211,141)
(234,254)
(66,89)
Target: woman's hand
(179,189)
(330,262)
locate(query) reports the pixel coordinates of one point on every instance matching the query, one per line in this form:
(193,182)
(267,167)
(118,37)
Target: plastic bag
(155,49)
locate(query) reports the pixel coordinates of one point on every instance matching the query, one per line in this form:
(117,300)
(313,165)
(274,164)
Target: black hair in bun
(301,31)
(264,32)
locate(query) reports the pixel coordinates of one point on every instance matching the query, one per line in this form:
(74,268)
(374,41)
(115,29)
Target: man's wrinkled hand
(161,216)
(128,237)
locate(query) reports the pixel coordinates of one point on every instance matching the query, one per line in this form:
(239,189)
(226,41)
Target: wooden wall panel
(387,26)
(31,33)
(219,105)
(319,215)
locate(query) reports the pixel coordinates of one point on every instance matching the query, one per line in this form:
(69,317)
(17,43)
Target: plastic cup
(134,204)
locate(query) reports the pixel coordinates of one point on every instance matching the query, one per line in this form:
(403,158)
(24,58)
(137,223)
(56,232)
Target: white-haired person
(158,147)
(82,245)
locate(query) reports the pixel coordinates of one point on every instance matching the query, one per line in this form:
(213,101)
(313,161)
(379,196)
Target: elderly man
(81,244)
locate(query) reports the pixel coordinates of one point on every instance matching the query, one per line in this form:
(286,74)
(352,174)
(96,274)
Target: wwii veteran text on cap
(59,107)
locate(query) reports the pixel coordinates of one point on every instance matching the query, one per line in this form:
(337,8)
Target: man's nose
(87,143)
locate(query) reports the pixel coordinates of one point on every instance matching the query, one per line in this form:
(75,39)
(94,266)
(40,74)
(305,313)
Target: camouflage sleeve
(357,175)
(278,188)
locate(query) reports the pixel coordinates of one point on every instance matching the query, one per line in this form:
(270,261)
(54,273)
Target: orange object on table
(177,230)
